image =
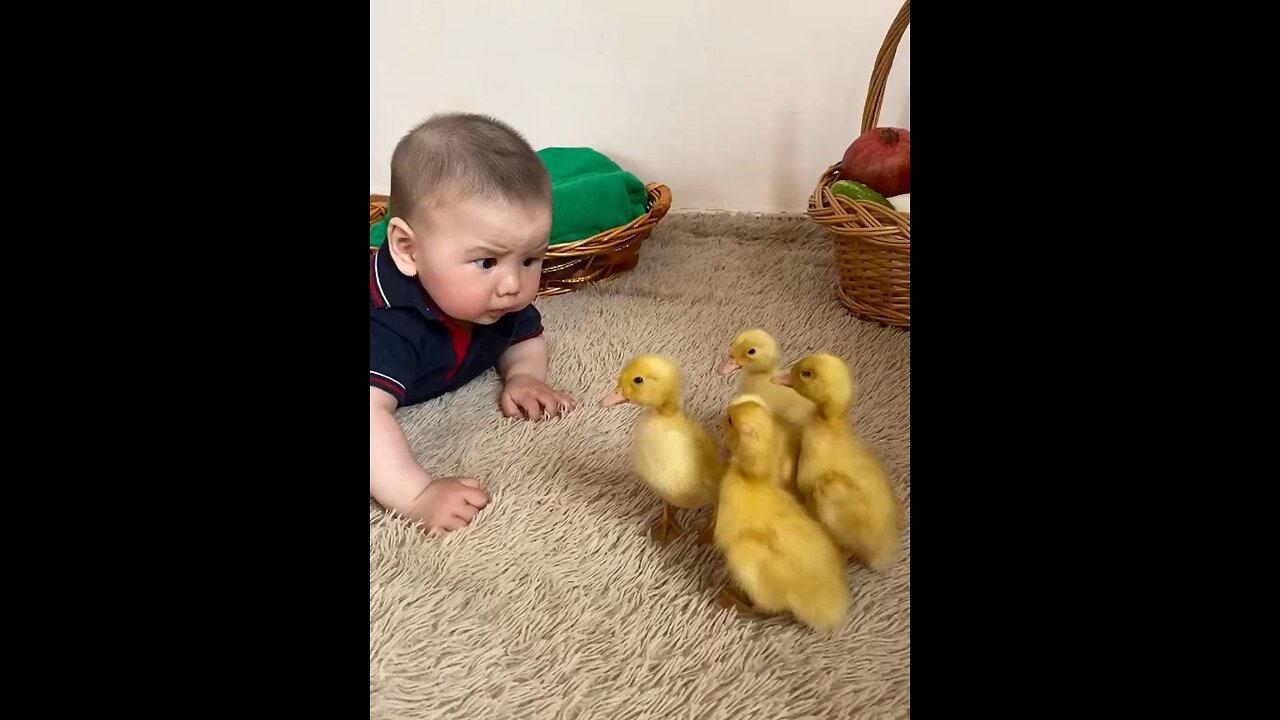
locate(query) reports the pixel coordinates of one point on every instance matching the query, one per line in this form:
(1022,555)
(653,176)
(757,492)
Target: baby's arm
(524,370)
(525,358)
(400,484)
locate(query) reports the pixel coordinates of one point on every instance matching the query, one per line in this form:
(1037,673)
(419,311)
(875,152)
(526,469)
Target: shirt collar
(388,287)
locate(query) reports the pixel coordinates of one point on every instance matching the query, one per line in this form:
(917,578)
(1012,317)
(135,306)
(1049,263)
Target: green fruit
(858,191)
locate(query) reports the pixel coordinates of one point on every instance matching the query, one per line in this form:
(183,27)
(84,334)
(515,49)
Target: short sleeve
(528,325)
(393,360)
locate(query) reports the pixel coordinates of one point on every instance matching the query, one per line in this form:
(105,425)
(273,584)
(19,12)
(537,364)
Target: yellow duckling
(674,455)
(784,452)
(775,552)
(841,479)
(754,354)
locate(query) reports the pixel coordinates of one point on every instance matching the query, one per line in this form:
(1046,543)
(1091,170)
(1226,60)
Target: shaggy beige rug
(555,603)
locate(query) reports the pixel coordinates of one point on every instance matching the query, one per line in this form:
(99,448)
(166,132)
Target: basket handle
(884,62)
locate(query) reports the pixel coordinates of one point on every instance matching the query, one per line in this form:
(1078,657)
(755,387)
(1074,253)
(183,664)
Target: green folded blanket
(378,230)
(590,194)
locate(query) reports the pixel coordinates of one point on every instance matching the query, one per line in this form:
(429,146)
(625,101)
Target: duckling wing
(861,512)
(709,457)
(671,456)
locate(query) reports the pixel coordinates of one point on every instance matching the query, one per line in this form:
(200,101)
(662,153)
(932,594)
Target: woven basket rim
(837,212)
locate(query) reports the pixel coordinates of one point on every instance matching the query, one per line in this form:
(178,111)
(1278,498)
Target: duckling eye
(638,381)
(752,351)
(806,373)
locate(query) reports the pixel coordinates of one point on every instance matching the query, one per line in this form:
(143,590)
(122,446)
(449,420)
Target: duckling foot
(730,598)
(665,529)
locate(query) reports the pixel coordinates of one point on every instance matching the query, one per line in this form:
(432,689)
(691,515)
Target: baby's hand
(448,504)
(534,398)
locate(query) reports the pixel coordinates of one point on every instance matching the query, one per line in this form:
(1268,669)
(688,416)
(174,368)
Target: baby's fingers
(558,404)
(476,497)
(509,407)
(465,511)
(567,402)
(446,524)
(550,404)
(529,404)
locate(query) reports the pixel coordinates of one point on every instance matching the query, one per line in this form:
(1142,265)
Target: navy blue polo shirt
(416,352)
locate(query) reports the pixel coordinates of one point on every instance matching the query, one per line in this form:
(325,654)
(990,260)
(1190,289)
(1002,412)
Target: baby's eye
(487,263)
(752,351)
(530,261)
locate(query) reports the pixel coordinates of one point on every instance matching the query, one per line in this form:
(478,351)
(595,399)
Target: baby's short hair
(469,155)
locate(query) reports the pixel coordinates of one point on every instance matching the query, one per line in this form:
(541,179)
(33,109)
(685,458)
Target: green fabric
(378,230)
(590,193)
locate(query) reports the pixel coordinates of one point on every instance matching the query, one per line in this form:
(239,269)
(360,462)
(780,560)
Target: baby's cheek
(530,284)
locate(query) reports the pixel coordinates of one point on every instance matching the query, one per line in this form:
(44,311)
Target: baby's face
(480,259)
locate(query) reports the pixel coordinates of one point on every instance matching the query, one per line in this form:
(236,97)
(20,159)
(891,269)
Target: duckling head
(825,379)
(752,350)
(649,381)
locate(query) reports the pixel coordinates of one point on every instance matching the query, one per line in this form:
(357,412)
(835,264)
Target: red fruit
(880,159)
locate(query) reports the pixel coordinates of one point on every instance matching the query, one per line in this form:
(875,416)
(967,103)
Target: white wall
(735,104)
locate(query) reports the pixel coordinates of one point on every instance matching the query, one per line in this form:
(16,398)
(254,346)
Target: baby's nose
(508,285)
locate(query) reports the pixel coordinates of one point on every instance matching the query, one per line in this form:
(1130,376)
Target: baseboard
(741,213)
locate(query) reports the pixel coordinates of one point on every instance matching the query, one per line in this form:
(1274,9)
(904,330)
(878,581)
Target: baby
(449,297)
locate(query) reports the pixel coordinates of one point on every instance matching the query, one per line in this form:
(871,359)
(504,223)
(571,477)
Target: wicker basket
(570,266)
(872,243)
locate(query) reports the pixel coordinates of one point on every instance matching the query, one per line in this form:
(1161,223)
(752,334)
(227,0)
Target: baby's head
(471,206)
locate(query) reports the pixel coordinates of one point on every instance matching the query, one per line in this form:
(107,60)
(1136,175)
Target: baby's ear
(400,241)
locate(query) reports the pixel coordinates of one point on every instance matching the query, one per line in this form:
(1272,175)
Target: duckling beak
(614,398)
(782,378)
(729,368)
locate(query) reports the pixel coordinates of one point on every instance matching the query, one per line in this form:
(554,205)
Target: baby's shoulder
(402,324)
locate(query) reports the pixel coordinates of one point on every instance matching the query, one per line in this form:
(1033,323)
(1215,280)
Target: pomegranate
(881,159)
